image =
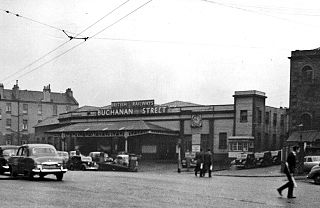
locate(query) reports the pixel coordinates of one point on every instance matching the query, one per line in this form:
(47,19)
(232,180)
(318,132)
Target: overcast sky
(189,50)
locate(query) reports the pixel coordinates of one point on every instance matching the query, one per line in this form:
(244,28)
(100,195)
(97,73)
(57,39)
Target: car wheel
(59,176)
(41,176)
(12,172)
(83,168)
(317,179)
(71,167)
(30,176)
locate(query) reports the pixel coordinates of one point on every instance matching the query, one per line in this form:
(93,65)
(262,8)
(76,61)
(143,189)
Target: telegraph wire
(254,11)
(35,21)
(64,31)
(117,21)
(133,11)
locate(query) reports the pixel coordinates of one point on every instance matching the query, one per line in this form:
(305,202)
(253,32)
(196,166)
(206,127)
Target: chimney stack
(15,90)
(1,91)
(69,92)
(46,93)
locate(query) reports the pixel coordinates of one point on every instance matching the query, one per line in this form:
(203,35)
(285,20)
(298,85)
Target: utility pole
(18,122)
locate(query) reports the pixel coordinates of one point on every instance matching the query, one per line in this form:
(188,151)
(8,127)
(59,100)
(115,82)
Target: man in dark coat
(207,163)
(199,159)
(289,169)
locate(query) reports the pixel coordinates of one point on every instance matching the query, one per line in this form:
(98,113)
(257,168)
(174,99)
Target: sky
(189,50)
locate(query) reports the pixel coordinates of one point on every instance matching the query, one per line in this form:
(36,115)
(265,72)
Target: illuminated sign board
(139,107)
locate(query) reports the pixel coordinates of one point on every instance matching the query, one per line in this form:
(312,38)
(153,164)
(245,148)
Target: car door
(22,160)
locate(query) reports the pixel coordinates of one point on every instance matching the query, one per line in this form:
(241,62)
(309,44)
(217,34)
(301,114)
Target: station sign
(139,107)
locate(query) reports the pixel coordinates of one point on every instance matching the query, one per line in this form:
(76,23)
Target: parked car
(6,151)
(245,160)
(100,157)
(189,160)
(122,162)
(265,160)
(64,155)
(80,162)
(315,174)
(37,159)
(310,161)
(276,157)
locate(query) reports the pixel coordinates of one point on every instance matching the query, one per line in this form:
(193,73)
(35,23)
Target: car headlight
(38,166)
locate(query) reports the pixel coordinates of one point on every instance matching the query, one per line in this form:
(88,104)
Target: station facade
(158,131)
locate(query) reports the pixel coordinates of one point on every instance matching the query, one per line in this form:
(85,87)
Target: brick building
(21,110)
(305,98)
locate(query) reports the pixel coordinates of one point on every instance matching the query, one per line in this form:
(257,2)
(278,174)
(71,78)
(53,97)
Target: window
(258,141)
(39,109)
(267,118)
(275,119)
(68,108)
(8,123)
(243,116)
(307,74)
(266,141)
(25,109)
(8,108)
(223,140)
(25,125)
(55,110)
(259,112)
(282,120)
(306,121)
(274,141)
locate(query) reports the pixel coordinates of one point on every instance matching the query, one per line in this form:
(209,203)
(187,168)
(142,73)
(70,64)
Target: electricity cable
(22,69)
(117,21)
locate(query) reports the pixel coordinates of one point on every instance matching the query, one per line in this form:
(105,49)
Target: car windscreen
(43,151)
(9,152)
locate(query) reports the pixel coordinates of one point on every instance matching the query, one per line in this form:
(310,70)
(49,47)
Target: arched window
(307,74)
(306,120)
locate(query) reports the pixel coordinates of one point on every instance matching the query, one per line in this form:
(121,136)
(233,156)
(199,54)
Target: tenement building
(158,131)
(21,110)
(305,99)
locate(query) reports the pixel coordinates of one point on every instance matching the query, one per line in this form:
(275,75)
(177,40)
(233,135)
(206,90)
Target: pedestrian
(207,163)
(289,170)
(199,161)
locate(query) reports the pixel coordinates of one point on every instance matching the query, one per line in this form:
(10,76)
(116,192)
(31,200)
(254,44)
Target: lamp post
(301,153)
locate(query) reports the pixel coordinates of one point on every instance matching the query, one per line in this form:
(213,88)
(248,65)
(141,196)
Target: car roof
(9,147)
(37,145)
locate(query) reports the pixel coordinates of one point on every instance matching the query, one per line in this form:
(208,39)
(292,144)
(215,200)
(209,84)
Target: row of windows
(244,117)
(25,109)
(24,124)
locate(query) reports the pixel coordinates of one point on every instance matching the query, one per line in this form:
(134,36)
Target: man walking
(289,170)
(199,160)
(208,162)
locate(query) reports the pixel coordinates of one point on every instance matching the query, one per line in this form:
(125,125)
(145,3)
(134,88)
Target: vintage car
(64,155)
(189,160)
(80,162)
(100,157)
(37,159)
(310,161)
(263,159)
(276,157)
(6,151)
(315,174)
(122,162)
(245,160)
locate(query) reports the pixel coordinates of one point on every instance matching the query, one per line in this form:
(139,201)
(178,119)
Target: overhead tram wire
(73,37)
(117,21)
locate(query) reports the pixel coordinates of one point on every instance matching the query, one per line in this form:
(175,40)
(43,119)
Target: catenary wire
(48,53)
(117,21)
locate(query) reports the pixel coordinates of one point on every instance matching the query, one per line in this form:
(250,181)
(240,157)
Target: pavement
(271,171)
